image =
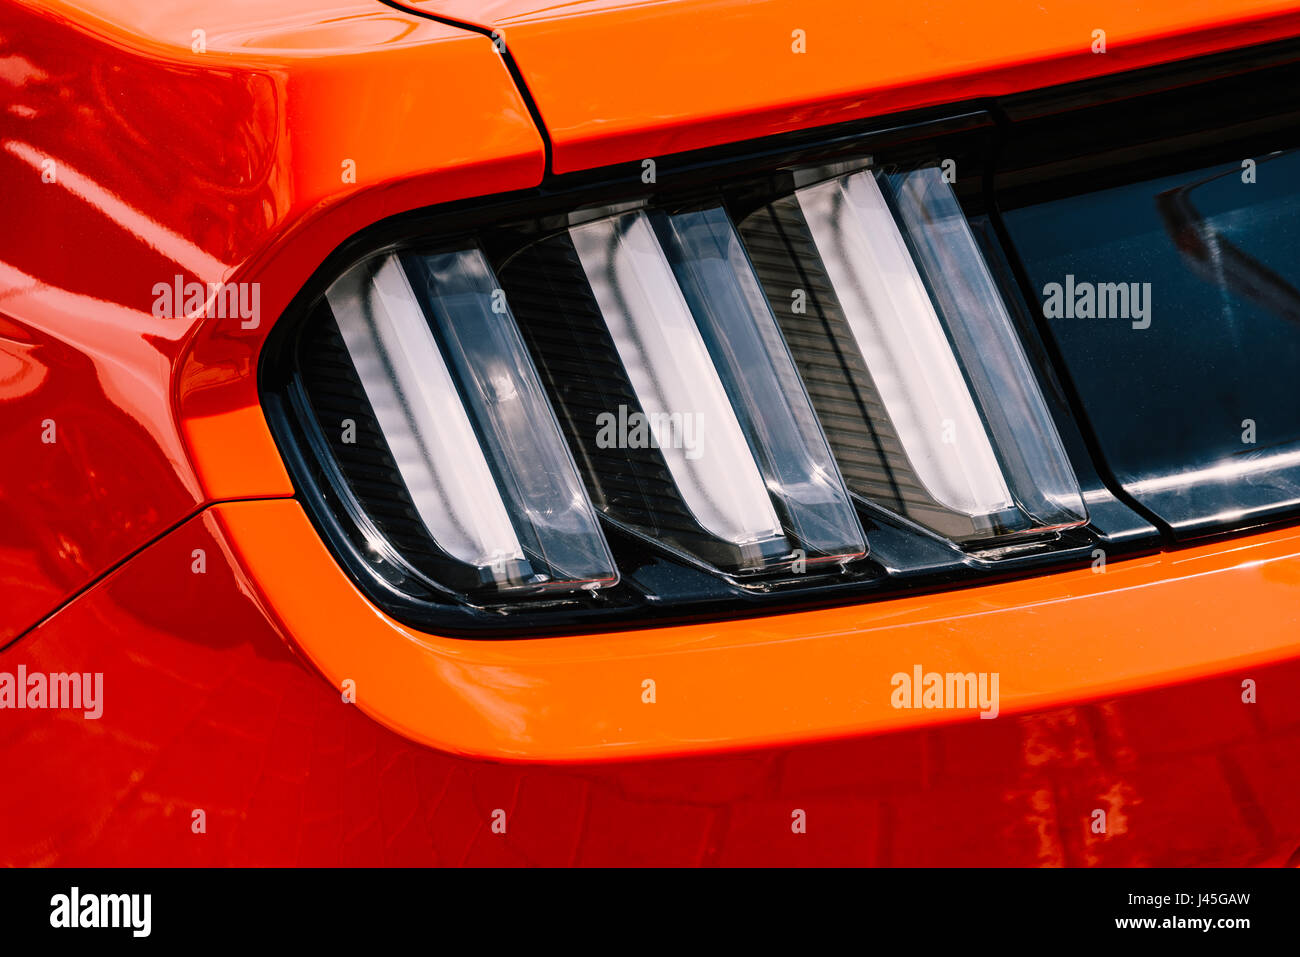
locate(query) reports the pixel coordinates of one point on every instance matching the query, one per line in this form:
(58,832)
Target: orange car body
(245,141)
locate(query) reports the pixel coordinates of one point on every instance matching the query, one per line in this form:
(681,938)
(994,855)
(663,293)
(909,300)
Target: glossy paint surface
(129,159)
(1120,690)
(618,81)
(206,707)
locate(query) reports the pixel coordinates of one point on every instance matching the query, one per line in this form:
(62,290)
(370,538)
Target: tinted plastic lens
(427,429)
(453,389)
(755,367)
(1033,458)
(896,328)
(679,389)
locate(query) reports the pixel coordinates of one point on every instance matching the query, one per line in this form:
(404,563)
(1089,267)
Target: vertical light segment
(423,420)
(675,381)
(754,365)
(895,326)
(982,332)
(519,435)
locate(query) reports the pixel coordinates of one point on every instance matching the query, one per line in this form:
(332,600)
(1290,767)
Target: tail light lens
(701,348)
(712,397)
(462,411)
(677,386)
(718,281)
(940,352)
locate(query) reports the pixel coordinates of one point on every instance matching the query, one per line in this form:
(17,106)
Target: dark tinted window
(1174,304)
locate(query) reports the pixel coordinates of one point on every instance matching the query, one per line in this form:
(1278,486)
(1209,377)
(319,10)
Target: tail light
(712,399)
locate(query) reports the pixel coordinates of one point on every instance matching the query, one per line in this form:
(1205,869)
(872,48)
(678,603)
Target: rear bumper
(1120,692)
(1053,640)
